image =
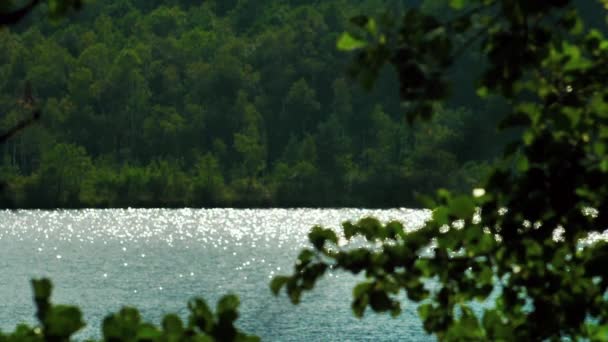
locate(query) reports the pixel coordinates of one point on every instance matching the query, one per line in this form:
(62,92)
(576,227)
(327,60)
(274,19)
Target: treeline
(218,103)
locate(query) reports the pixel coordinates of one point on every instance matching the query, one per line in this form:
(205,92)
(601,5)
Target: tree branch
(20,126)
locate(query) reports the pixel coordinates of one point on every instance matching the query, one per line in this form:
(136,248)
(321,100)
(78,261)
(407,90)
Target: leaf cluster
(527,240)
(61,322)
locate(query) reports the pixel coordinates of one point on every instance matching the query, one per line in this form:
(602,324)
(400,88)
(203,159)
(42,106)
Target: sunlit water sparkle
(157,259)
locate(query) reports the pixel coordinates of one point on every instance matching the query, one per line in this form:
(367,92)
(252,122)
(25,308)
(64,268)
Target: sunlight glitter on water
(156,259)
(210,227)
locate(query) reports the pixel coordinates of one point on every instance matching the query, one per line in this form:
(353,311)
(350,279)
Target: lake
(157,259)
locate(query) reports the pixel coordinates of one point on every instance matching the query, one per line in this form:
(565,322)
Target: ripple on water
(156,259)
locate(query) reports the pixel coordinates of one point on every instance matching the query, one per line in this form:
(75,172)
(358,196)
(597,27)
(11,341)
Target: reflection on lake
(157,259)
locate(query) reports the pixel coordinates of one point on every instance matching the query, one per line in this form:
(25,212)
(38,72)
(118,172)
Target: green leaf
(457,4)
(371,27)
(601,334)
(467,328)
(63,321)
(147,332)
(349,229)
(371,228)
(462,207)
(277,283)
(380,301)
(123,325)
(227,307)
(482,92)
(173,325)
(347,42)
(425,311)
(441,216)
(394,230)
(42,289)
(604,165)
(319,235)
(361,289)
(305,258)
(200,314)
(523,164)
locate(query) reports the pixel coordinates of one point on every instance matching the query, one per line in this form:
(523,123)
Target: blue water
(157,259)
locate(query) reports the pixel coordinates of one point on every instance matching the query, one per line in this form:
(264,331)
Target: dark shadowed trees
(526,242)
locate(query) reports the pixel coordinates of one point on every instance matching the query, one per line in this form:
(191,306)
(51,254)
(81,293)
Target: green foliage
(348,43)
(526,240)
(61,322)
(146,88)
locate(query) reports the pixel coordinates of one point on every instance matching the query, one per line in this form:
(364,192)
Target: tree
(301,106)
(65,166)
(154,81)
(530,233)
(249,141)
(163,21)
(208,185)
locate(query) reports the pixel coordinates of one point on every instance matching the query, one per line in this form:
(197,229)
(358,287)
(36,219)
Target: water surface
(156,259)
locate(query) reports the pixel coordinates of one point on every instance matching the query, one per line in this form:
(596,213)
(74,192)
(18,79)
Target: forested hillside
(226,103)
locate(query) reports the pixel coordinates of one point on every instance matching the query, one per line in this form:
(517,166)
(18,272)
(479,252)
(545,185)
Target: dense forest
(225,103)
